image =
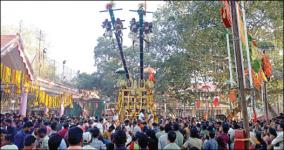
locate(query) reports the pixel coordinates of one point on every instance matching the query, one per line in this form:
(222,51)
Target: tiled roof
(5,39)
(9,43)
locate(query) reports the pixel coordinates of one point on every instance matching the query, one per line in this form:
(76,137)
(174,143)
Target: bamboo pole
(247,45)
(250,87)
(230,65)
(238,56)
(265,101)
(240,47)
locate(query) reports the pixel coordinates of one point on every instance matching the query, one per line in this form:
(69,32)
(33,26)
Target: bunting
(260,65)
(22,84)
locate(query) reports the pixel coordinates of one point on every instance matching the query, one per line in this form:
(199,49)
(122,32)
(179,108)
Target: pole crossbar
(118,39)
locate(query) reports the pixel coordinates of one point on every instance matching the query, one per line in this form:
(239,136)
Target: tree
(189,41)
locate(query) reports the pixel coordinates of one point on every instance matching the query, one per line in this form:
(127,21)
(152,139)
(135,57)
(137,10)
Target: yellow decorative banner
(23,84)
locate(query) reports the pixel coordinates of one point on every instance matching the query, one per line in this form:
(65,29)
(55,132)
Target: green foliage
(84,81)
(189,41)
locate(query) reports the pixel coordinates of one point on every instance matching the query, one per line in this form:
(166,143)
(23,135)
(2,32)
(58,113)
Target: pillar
(61,110)
(46,110)
(23,104)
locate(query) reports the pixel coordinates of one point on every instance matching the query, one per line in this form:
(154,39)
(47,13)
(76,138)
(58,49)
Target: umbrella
(120,71)
(149,70)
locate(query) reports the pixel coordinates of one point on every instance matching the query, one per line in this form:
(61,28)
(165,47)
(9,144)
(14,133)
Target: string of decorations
(14,82)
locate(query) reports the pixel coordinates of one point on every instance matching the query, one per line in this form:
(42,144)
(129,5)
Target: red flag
(197,104)
(216,101)
(226,15)
(151,77)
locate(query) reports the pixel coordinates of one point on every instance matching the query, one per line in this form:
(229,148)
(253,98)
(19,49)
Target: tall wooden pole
(39,49)
(240,72)
(265,101)
(141,37)
(118,39)
(230,65)
(252,97)
(247,45)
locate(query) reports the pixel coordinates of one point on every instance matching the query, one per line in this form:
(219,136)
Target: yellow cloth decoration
(22,83)
(7,75)
(2,71)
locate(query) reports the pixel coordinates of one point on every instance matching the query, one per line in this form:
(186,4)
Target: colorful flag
(197,104)
(216,101)
(226,14)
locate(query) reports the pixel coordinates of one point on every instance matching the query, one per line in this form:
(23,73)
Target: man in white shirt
(142,115)
(277,143)
(96,143)
(115,117)
(99,125)
(8,143)
(231,133)
(163,140)
(136,127)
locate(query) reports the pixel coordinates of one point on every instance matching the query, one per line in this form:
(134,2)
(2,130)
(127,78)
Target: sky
(71,27)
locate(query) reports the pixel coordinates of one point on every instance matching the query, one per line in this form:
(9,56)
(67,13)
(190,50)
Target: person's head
(143,140)
(204,126)
(176,126)
(8,139)
(126,122)
(95,132)
(29,141)
(25,119)
(211,134)
(8,122)
(194,132)
(217,125)
(46,123)
(151,134)
(87,138)
(272,133)
(154,124)
(134,123)
(198,125)
(258,135)
(3,132)
(90,122)
(235,125)
(53,126)
(111,128)
(225,127)
(119,138)
(168,128)
(280,127)
(42,132)
(171,136)
(66,125)
(162,128)
(110,146)
(27,127)
(54,141)
(193,148)
(75,136)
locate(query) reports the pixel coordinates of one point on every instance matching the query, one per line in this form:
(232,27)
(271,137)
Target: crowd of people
(103,133)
